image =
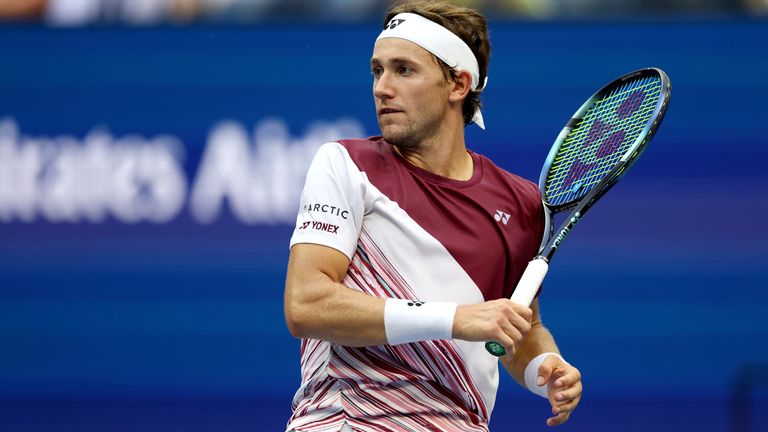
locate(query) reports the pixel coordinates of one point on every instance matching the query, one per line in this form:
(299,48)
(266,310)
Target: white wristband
(532,372)
(411,320)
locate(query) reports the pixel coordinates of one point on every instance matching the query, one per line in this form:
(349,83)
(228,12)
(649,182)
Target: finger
(569,378)
(558,419)
(567,395)
(525,313)
(520,322)
(558,372)
(518,316)
(512,332)
(507,342)
(561,397)
(568,401)
(567,407)
(503,333)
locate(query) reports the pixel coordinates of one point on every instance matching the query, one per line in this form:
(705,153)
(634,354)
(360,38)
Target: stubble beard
(414,134)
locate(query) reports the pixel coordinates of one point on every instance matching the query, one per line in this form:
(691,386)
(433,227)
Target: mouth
(384,111)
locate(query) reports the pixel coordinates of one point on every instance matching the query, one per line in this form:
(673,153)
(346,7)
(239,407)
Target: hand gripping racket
(593,151)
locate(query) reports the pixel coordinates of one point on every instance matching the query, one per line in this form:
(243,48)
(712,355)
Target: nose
(382,86)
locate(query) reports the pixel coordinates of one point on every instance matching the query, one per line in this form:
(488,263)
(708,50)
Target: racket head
(604,138)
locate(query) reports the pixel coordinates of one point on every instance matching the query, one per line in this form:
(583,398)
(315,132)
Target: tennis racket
(594,150)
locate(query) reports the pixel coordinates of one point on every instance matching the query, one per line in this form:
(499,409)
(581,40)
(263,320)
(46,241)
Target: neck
(444,154)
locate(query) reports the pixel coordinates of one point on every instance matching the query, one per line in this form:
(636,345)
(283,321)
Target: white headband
(441,42)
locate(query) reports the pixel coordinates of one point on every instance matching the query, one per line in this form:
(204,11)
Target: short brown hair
(466,23)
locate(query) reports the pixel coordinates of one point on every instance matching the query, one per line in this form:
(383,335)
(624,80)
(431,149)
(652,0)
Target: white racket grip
(530,282)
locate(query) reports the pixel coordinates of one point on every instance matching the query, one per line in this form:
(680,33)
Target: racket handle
(530,282)
(524,293)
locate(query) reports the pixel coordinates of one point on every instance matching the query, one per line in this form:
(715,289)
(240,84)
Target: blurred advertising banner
(258,173)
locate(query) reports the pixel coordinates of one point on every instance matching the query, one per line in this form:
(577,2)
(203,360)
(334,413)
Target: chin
(398,136)
(400,141)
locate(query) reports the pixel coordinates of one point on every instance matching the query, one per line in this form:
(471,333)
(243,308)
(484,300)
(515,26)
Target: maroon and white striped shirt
(414,235)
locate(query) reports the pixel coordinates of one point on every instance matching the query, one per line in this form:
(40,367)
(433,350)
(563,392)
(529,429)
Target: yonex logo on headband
(394,23)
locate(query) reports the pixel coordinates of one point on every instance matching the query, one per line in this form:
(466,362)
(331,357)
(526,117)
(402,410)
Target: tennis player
(407,247)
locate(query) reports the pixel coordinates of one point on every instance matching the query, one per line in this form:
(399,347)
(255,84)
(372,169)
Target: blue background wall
(659,297)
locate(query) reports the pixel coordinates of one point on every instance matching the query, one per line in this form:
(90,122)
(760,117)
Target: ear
(460,87)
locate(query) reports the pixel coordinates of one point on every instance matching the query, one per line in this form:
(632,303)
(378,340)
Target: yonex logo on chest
(501,217)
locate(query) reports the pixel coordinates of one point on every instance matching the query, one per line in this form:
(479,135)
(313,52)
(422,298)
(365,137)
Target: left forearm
(537,341)
(552,377)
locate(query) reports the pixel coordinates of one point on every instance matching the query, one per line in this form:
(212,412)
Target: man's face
(409,90)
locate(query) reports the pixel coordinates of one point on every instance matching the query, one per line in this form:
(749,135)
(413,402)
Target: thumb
(545,370)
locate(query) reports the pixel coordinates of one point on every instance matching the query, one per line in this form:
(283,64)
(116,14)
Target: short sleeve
(332,203)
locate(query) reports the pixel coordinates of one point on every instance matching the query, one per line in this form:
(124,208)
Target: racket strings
(601,139)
